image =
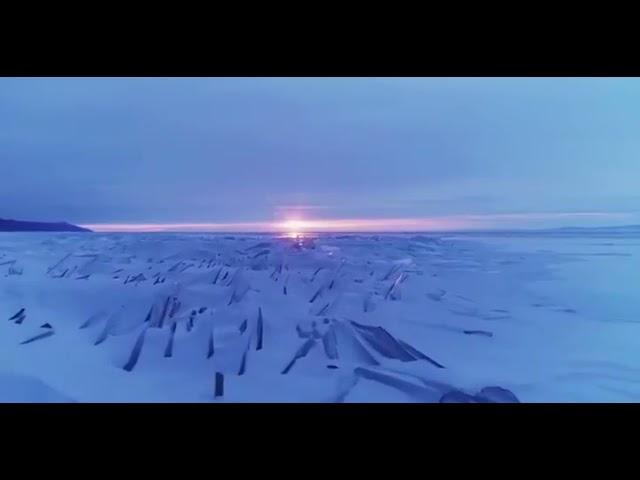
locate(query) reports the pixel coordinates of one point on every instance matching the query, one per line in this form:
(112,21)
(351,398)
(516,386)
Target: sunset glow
(294,228)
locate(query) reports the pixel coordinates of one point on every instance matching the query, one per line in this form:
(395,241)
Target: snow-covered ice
(332,318)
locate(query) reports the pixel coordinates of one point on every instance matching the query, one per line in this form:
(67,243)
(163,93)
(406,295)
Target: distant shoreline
(17,226)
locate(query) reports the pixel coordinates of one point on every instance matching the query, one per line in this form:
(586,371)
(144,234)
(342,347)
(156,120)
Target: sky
(249,154)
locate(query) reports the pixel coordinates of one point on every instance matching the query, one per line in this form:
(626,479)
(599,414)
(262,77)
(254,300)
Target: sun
(293,225)
(293,228)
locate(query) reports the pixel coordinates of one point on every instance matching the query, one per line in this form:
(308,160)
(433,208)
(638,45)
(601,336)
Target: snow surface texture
(337,318)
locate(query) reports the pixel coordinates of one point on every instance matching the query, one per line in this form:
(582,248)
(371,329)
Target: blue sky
(485,152)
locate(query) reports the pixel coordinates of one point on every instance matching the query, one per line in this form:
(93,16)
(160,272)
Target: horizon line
(356,225)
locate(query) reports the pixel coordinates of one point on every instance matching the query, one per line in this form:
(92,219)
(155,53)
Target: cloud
(189,150)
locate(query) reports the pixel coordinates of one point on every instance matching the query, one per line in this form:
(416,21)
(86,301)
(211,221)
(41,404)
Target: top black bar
(393,51)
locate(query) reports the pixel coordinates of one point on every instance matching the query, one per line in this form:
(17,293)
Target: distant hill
(24,226)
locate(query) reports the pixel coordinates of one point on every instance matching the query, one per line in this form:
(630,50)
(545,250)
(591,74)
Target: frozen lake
(336,318)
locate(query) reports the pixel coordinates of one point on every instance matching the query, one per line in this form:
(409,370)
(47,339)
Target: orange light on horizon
(297,227)
(292,228)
